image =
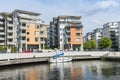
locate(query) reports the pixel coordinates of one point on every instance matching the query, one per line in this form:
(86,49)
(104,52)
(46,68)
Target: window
(41,32)
(77,34)
(41,39)
(28,33)
(23,24)
(27,39)
(77,39)
(69,39)
(36,39)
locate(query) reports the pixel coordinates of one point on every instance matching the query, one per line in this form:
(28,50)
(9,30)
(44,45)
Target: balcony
(2,33)
(29,16)
(2,43)
(23,34)
(23,27)
(1,22)
(42,29)
(23,41)
(1,28)
(10,36)
(1,17)
(2,38)
(9,31)
(10,43)
(42,42)
(9,19)
(10,25)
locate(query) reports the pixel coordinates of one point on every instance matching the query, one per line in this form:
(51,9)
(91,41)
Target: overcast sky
(94,13)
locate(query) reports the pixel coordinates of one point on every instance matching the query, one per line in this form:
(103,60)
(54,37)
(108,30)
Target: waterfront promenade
(21,58)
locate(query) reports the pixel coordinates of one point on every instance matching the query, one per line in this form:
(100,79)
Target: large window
(28,32)
(36,40)
(41,39)
(28,39)
(77,34)
(23,24)
(41,32)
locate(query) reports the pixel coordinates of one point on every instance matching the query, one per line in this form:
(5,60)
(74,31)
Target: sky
(95,13)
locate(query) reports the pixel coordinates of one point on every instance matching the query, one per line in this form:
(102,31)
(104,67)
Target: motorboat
(58,58)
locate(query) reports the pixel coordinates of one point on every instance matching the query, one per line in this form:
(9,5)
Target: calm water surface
(81,70)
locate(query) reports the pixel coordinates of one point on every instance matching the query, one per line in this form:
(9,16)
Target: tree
(92,44)
(2,49)
(47,47)
(13,49)
(105,43)
(86,45)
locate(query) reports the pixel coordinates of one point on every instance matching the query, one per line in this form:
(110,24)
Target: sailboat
(59,58)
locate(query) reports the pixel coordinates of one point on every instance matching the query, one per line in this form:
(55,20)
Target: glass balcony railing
(1,17)
(29,16)
(2,38)
(10,25)
(9,19)
(2,33)
(1,28)
(1,22)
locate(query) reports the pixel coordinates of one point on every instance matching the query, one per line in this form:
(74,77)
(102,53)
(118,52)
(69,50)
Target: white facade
(88,37)
(97,35)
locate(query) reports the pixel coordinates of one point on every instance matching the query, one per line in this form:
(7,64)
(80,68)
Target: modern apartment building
(66,33)
(22,29)
(119,36)
(97,35)
(88,37)
(111,30)
(6,30)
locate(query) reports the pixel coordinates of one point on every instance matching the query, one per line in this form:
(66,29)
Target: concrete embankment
(112,56)
(23,58)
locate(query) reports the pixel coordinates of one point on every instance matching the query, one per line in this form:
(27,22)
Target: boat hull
(60,60)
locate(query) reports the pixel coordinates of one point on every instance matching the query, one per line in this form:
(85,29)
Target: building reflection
(76,72)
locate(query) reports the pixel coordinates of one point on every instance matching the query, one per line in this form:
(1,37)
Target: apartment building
(97,36)
(22,29)
(119,36)
(6,30)
(66,33)
(111,30)
(88,37)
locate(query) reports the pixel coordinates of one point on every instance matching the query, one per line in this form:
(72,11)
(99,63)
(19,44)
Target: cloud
(102,5)
(105,4)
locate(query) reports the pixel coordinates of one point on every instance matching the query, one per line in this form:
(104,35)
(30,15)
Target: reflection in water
(82,70)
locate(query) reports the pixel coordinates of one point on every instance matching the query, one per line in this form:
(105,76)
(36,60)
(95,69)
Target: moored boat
(57,58)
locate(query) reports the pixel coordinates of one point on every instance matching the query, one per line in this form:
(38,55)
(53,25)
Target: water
(80,70)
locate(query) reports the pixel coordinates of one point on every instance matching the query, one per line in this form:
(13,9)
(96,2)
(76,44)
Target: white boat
(60,59)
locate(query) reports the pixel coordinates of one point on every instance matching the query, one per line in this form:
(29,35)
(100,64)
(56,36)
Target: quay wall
(6,56)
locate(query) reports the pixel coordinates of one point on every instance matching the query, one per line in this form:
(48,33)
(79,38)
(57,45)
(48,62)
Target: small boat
(58,58)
